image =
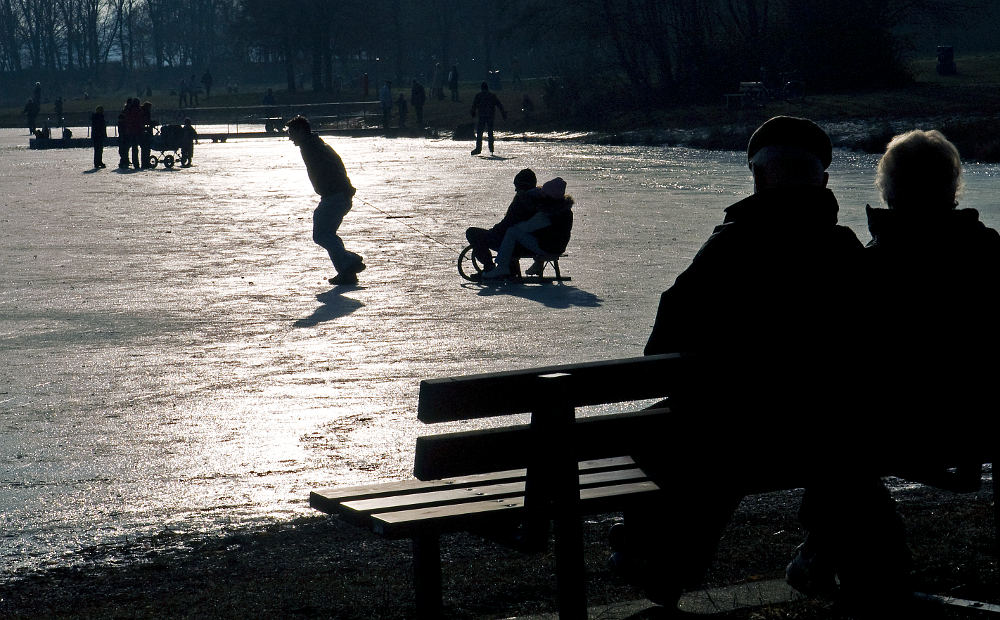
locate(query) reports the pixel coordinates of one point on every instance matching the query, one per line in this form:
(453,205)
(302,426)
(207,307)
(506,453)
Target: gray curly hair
(920,170)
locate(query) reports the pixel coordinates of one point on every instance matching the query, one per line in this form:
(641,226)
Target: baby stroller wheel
(168,161)
(151,162)
(468,267)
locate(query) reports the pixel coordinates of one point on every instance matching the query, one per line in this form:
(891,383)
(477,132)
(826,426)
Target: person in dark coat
(521,208)
(759,314)
(929,270)
(146,134)
(418,97)
(453,82)
(547,231)
(188,136)
(329,180)
(133,130)
(31,109)
(98,134)
(485,105)
(401,108)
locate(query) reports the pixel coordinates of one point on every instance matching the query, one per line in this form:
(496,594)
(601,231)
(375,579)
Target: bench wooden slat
(329,500)
(520,391)
(480,492)
(470,452)
(456,517)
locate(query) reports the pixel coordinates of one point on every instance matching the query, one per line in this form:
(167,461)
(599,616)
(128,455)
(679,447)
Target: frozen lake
(173,358)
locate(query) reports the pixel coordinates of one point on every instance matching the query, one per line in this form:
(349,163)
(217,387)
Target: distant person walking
(364,87)
(417,98)
(98,134)
(31,112)
(182,94)
(385,98)
(453,82)
(329,180)
(133,131)
(146,135)
(437,82)
(206,81)
(401,108)
(193,91)
(484,105)
(188,136)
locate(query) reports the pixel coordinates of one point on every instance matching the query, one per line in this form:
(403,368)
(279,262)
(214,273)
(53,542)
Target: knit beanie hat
(525,179)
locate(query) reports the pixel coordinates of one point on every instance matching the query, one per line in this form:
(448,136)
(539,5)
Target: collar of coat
(788,206)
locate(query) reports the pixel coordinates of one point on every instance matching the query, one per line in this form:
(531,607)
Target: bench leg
(427,575)
(555,266)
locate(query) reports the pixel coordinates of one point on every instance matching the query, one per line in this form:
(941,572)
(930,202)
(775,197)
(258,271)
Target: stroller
(168,140)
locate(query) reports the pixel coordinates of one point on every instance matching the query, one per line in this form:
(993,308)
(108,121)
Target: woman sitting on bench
(545,233)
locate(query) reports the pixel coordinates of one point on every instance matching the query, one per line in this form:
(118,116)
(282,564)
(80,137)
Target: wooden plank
(457,517)
(518,391)
(461,494)
(470,452)
(328,500)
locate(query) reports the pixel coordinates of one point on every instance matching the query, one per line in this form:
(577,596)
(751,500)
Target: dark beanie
(525,179)
(792,131)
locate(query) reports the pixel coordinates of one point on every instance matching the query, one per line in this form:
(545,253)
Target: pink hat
(556,188)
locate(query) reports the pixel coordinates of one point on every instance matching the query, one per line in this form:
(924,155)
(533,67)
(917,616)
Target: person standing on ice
(484,104)
(329,179)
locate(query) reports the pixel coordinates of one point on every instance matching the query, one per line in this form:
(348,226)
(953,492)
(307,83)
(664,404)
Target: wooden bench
(520,478)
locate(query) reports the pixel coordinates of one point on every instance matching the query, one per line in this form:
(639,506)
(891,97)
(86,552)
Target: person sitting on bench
(546,232)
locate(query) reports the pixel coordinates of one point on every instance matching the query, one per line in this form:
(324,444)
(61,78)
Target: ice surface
(174,358)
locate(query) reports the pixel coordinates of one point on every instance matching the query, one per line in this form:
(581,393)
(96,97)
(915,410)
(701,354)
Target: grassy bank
(965,106)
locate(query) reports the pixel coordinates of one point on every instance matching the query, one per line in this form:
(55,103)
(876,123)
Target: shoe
(477,151)
(810,574)
(496,273)
(345,278)
(536,269)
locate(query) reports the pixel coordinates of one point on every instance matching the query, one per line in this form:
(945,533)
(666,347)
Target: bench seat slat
(462,494)
(456,517)
(329,500)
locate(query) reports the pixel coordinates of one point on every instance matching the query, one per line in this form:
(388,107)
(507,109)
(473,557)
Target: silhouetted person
(417,98)
(329,180)
(134,123)
(401,109)
(31,109)
(37,93)
(437,82)
(545,232)
(485,105)
(98,134)
(122,140)
(193,90)
(146,136)
(364,86)
(188,136)
(182,94)
(268,98)
(385,98)
(57,106)
(759,314)
(521,208)
(453,82)
(928,268)
(206,81)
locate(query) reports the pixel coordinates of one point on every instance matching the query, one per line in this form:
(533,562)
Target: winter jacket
(325,168)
